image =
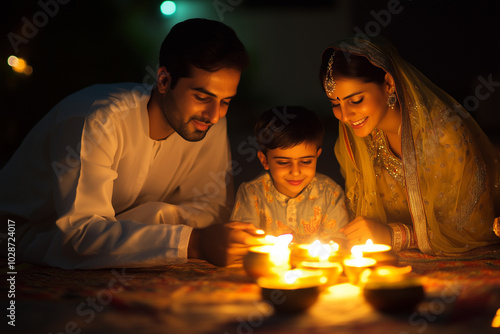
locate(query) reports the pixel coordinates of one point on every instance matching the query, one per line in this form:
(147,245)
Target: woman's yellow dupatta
(451,170)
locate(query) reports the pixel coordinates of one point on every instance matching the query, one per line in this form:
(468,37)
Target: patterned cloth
(197,297)
(318,212)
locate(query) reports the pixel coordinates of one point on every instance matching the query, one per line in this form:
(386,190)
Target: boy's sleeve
(336,215)
(246,206)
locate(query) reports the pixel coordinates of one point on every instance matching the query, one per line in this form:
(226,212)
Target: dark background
(80,43)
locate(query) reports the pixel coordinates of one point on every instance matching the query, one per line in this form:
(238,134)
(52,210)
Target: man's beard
(173,116)
(197,135)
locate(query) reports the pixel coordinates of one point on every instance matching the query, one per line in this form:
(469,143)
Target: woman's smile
(359,123)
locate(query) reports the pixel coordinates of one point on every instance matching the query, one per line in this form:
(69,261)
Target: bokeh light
(19,65)
(168,7)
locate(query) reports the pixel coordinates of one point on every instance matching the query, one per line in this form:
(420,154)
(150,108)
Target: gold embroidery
(380,154)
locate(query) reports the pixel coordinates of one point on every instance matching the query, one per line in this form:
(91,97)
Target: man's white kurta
(88,187)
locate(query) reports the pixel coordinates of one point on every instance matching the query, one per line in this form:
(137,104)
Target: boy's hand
(362,229)
(222,244)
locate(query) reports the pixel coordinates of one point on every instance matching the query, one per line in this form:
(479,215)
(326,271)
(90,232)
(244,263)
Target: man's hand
(362,229)
(222,244)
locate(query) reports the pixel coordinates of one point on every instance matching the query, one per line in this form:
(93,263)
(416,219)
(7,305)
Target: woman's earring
(391,101)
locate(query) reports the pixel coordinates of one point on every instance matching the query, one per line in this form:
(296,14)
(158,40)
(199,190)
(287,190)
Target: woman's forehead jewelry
(329,82)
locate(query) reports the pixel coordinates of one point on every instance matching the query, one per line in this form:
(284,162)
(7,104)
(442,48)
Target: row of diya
(300,272)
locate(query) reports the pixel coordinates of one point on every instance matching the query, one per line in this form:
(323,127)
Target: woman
(419,171)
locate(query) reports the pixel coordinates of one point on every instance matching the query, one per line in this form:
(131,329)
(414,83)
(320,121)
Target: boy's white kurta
(88,187)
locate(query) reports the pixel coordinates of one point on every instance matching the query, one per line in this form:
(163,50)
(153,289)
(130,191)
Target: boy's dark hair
(206,44)
(285,127)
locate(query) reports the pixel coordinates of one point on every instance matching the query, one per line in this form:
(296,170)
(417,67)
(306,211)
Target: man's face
(199,101)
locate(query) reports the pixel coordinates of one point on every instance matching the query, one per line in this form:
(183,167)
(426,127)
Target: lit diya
(355,265)
(383,254)
(393,289)
(314,251)
(295,291)
(320,254)
(330,270)
(270,259)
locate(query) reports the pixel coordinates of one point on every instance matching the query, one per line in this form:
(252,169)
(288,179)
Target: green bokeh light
(168,7)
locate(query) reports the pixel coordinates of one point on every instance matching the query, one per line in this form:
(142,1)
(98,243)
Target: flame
(356,252)
(283,240)
(369,242)
(280,253)
(334,246)
(270,238)
(319,250)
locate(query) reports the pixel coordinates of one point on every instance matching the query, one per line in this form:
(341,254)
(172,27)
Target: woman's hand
(362,229)
(222,244)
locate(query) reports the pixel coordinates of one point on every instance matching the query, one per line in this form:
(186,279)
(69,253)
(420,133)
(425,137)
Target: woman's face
(362,106)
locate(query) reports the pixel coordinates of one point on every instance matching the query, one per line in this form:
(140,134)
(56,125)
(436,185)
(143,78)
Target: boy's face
(291,169)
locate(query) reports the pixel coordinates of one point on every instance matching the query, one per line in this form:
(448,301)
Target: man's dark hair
(285,127)
(206,44)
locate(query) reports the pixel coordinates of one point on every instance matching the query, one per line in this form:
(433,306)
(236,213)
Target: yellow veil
(451,170)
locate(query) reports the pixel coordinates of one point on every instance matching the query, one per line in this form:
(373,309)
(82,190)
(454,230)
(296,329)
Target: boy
(291,197)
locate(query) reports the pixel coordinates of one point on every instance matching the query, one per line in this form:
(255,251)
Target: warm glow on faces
(199,101)
(291,169)
(362,106)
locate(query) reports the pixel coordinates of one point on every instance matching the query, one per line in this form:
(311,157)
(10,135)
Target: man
(123,176)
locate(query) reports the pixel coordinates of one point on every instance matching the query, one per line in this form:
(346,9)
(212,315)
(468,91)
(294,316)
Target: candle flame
(319,250)
(369,242)
(356,252)
(334,246)
(280,253)
(260,232)
(283,240)
(270,238)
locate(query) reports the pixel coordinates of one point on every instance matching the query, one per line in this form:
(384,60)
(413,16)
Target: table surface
(462,296)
